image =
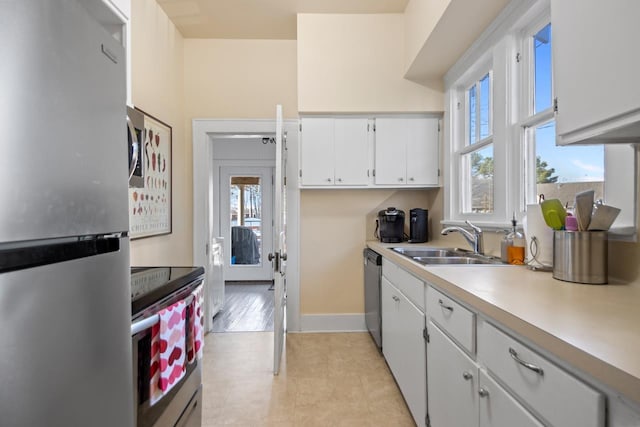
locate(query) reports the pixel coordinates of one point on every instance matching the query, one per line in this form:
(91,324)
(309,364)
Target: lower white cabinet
(403,347)
(462,395)
(452,383)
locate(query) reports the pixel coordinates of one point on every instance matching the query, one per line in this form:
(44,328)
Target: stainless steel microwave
(135,136)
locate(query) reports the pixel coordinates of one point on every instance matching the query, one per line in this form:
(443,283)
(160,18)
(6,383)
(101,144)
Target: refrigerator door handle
(147,322)
(135,146)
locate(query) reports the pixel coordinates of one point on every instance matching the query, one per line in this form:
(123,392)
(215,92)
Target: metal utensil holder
(580,256)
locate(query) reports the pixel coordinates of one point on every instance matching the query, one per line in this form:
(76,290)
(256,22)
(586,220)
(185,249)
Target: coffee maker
(418,222)
(390,225)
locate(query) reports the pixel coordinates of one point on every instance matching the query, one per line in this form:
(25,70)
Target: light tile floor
(327,380)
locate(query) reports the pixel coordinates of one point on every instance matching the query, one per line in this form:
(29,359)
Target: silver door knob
(270,257)
(283,256)
(483,392)
(467,376)
(401,179)
(339,179)
(328,179)
(411,179)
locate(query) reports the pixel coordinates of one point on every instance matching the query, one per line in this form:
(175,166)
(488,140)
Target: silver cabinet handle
(411,179)
(339,179)
(443,305)
(328,179)
(395,298)
(401,179)
(514,355)
(467,375)
(483,392)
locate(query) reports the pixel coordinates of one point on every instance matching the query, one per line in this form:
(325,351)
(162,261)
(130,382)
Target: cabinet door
(404,348)
(422,151)
(499,409)
(351,151)
(391,151)
(316,151)
(595,63)
(452,383)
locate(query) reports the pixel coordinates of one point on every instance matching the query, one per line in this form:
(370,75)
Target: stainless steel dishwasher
(372,276)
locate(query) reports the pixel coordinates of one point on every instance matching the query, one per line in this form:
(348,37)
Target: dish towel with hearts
(196,325)
(168,341)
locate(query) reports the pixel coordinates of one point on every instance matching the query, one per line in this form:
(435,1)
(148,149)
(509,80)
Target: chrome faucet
(475,239)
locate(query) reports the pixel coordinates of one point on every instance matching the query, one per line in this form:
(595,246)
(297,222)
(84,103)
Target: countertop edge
(610,375)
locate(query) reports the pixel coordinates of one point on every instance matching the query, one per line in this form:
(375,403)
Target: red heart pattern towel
(168,342)
(196,325)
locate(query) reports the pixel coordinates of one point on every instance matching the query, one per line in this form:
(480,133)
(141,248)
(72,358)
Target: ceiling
(260,19)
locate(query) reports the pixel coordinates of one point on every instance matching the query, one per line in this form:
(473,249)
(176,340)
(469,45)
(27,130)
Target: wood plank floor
(248,307)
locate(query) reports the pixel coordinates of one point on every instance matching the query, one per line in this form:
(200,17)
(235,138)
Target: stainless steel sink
(446,256)
(426,252)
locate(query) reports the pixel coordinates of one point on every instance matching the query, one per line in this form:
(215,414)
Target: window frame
(512,118)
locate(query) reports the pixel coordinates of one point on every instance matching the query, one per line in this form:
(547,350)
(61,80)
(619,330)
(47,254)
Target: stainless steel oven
(152,290)
(135,137)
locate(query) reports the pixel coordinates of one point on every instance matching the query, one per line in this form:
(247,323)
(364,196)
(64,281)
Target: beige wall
(420,18)
(355,63)
(239,78)
(334,226)
(157,88)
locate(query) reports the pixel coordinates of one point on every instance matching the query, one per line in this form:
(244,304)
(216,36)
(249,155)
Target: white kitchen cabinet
(499,409)
(595,70)
(403,347)
(452,383)
(462,394)
(334,152)
(558,396)
(406,151)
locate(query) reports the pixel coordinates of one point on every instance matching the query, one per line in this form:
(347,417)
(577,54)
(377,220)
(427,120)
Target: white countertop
(595,328)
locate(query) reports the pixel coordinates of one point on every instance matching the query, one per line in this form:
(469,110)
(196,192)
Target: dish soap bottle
(514,245)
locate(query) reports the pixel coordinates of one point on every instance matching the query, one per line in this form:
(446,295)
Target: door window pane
(563,171)
(479,192)
(542,69)
(246,220)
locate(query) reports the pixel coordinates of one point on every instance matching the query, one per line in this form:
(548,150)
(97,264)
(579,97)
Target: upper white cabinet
(122,8)
(406,151)
(595,70)
(334,151)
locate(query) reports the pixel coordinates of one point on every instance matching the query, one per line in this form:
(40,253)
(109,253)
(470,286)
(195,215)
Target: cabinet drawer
(410,286)
(454,319)
(556,395)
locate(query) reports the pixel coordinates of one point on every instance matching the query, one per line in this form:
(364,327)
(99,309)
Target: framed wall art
(150,205)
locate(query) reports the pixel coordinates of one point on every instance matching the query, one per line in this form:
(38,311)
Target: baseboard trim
(333,322)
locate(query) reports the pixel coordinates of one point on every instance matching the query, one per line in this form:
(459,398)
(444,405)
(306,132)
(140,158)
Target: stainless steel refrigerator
(65,344)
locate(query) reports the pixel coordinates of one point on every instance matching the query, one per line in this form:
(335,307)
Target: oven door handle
(143,324)
(147,322)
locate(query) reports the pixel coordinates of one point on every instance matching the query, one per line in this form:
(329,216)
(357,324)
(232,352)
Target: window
(476,157)
(501,151)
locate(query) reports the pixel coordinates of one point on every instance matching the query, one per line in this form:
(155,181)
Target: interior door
(279,255)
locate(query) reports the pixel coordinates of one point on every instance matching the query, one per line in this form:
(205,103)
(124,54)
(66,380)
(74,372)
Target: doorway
(215,142)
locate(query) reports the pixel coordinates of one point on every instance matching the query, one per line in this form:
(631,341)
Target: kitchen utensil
(603,217)
(582,210)
(553,213)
